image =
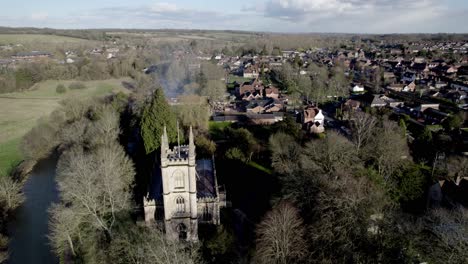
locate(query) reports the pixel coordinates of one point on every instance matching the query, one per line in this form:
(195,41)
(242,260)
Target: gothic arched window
(180,205)
(178,179)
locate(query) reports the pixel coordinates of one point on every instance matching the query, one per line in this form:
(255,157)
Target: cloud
(369,16)
(39,16)
(164,14)
(165,7)
(347,16)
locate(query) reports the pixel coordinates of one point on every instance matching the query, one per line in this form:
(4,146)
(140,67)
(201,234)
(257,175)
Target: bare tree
(450,228)
(387,148)
(343,211)
(106,129)
(333,155)
(280,236)
(284,153)
(193,111)
(457,167)
(215,90)
(10,193)
(65,226)
(362,126)
(148,245)
(96,184)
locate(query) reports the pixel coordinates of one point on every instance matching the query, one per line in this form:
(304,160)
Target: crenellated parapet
(207,200)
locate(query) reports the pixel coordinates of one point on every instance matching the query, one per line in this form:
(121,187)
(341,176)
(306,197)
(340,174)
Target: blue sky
(348,16)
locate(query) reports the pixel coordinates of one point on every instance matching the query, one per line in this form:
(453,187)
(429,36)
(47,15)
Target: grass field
(238,79)
(19,112)
(231,79)
(217,129)
(36,38)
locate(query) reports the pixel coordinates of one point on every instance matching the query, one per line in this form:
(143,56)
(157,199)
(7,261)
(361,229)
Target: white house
(313,120)
(357,89)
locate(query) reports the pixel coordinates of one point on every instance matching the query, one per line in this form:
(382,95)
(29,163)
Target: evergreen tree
(156,115)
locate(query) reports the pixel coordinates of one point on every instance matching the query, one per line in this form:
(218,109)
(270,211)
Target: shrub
(76,86)
(61,89)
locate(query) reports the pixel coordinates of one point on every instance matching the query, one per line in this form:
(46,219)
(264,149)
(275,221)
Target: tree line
(347,200)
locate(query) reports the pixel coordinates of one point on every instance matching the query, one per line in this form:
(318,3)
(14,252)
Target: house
(357,88)
(457,96)
(31,55)
(396,87)
(452,70)
(440,84)
(377,101)
(408,77)
(390,101)
(249,96)
(351,105)
(275,107)
(422,107)
(411,87)
(459,86)
(251,72)
(259,106)
(272,92)
(265,119)
(312,120)
(433,116)
(96,51)
(252,86)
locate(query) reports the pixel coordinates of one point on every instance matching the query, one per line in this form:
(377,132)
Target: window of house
(180,205)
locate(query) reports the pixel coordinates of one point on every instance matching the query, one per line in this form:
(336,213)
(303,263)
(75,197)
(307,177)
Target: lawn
(10,155)
(238,79)
(217,129)
(36,38)
(19,112)
(260,167)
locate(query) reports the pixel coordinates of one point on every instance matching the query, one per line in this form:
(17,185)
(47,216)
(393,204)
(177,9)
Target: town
(229,147)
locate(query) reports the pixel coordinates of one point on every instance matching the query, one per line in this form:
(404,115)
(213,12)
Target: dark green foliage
(61,89)
(289,126)
(235,154)
(205,147)
(24,79)
(423,147)
(157,114)
(412,181)
(244,144)
(222,242)
(453,122)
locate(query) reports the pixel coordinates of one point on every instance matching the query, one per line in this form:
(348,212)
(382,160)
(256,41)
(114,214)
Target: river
(29,229)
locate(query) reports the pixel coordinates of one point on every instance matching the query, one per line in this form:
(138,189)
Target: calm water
(29,229)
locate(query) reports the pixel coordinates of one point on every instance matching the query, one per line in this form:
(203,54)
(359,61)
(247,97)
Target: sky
(341,16)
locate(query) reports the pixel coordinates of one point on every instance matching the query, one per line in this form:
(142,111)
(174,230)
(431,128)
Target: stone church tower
(179,187)
(185,193)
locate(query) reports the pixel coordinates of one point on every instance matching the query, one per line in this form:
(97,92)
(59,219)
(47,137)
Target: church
(184,193)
